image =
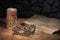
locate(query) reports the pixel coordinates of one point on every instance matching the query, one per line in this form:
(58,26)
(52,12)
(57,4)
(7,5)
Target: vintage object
(24,30)
(11,17)
(44,24)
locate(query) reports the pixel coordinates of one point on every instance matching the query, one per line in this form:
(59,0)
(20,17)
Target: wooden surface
(6,34)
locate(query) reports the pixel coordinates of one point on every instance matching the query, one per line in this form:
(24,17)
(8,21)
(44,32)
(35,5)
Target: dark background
(27,8)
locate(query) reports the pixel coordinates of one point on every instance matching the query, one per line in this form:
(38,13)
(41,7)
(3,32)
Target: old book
(44,24)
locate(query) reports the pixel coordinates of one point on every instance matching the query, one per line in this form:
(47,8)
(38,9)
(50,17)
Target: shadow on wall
(27,8)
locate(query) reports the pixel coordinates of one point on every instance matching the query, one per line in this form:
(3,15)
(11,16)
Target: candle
(11,17)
